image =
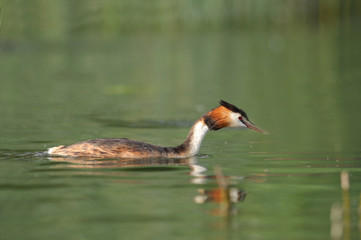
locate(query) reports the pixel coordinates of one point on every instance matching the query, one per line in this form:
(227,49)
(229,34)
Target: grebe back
(226,115)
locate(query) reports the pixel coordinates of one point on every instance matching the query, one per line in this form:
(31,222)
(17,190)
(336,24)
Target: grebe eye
(240,118)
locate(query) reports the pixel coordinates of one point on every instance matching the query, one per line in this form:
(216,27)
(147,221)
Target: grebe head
(228,115)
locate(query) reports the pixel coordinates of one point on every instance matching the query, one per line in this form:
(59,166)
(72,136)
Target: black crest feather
(233,108)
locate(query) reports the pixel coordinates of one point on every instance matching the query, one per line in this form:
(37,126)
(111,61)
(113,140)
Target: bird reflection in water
(93,163)
(224,195)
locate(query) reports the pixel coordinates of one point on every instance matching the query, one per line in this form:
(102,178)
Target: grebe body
(226,115)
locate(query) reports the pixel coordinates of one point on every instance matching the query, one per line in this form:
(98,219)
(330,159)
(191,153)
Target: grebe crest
(225,115)
(228,115)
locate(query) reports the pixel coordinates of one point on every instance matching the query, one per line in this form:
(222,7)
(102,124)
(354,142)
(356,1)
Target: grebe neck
(191,145)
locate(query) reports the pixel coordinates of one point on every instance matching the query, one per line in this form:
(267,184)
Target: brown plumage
(116,148)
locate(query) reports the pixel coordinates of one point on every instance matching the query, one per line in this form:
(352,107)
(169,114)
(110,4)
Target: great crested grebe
(226,115)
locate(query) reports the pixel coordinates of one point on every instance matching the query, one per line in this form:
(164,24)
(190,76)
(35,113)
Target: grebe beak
(253,127)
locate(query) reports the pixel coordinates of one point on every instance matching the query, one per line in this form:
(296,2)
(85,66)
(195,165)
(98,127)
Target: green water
(77,70)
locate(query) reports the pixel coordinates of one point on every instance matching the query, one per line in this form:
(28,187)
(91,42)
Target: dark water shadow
(7,154)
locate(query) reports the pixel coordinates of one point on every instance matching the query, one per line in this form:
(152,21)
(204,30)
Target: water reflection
(195,169)
(224,195)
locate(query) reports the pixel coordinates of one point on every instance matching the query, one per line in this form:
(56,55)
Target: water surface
(68,76)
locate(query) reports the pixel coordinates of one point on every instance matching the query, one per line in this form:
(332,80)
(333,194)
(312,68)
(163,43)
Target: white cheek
(235,123)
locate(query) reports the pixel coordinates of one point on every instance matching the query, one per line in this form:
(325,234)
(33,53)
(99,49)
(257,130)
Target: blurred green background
(292,65)
(73,70)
